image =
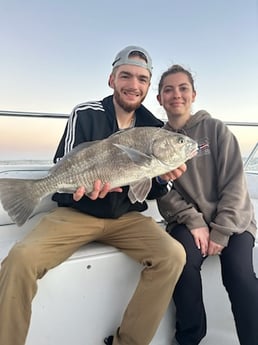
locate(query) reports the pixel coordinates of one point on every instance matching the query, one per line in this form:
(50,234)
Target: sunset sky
(56,53)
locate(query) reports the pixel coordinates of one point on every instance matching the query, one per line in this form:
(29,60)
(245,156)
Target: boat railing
(65,115)
(33,114)
(250,163)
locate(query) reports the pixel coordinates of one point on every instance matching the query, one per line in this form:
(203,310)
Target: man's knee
(174,254)
(178,253)
(21,255)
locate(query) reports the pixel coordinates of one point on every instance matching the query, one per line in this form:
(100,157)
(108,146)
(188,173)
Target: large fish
(127,158)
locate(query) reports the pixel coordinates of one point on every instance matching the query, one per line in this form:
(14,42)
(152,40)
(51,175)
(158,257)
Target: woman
(209,211)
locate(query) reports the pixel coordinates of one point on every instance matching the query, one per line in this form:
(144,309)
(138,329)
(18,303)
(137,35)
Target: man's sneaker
(109,340)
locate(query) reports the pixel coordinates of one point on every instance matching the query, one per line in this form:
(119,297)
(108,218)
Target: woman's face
(177,95)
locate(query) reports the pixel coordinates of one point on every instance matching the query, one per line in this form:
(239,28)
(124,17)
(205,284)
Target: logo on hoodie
(203,146)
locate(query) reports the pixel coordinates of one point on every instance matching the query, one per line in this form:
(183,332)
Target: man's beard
(128,107)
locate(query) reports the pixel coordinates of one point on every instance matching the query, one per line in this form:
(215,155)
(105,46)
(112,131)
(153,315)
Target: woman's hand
(201,239)
(214,248)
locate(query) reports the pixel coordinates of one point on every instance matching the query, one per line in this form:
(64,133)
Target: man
(80,219)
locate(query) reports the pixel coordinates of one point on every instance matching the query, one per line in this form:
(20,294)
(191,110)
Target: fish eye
(181,140)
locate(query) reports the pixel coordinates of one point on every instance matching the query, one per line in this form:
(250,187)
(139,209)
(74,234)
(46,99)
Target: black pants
(238,278)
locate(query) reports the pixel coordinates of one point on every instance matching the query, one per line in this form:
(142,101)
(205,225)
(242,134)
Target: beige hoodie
(213,191)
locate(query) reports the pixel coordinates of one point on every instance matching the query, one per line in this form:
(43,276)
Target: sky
(58,53)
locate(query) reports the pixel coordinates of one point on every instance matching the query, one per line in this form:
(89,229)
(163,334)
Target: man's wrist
(160,181)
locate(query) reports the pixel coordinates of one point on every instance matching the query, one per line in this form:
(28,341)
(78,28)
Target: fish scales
(131,157)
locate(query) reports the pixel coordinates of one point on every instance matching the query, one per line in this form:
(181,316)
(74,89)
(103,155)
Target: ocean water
(9,165)
(22,142)
(25,162)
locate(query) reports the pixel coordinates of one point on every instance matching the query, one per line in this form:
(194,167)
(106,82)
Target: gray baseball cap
(124,58)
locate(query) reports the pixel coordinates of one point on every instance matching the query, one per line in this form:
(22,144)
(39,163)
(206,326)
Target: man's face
(130,84)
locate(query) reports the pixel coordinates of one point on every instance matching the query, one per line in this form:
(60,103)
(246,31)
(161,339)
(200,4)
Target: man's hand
(174,174)
(99,191)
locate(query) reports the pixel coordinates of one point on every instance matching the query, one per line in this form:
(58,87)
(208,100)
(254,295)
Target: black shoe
(109,340)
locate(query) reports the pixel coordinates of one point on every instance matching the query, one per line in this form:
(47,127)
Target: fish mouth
(194,152)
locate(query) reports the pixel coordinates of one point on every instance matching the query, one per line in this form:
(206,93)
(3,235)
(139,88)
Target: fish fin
(17,199)
(136,156)
(139,190)
(72,153)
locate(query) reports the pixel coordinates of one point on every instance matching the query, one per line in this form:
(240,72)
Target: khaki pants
(58,235)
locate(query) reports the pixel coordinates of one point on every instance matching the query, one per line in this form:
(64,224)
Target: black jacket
(94,121)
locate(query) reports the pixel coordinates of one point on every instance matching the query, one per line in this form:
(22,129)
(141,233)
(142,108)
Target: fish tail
(18,198)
